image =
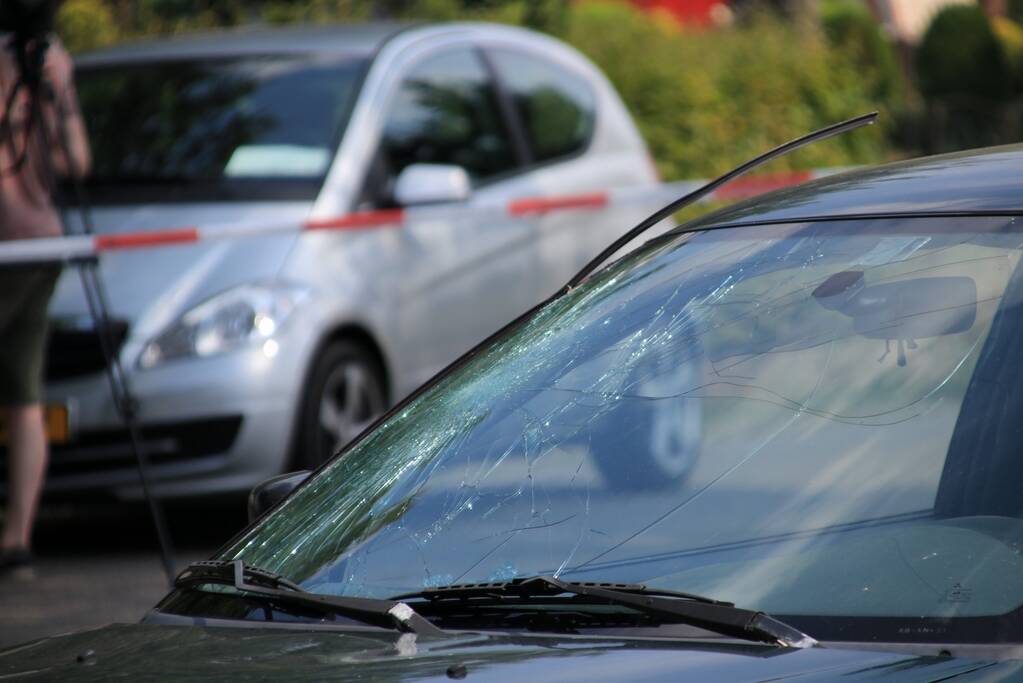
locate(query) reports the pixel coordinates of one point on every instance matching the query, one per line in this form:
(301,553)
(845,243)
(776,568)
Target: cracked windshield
(805,419)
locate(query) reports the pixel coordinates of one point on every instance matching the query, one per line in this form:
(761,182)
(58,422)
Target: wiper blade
(386,613)
(529,587)
(713,615)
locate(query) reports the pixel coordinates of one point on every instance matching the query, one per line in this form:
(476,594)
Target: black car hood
(159,652)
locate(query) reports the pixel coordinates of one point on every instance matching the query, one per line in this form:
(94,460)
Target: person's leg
(26,467)
(24,297)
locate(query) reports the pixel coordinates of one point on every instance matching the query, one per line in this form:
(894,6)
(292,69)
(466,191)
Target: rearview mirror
(916,308)
(431,184)
(268,493)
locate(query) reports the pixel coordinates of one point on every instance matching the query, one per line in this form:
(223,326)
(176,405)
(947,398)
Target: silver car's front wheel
(656,423)
(345,393)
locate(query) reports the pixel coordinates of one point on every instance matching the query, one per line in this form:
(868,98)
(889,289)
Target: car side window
(446,112)
(557,107)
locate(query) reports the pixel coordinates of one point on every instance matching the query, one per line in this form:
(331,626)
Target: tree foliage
(86,24)
(961,55)
(706,101)
(855,33)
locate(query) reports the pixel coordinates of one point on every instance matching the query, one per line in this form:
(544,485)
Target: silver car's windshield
(258,127)
(818,420)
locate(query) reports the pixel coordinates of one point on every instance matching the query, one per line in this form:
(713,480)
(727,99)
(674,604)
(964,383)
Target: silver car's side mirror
(268,493)
(431,184)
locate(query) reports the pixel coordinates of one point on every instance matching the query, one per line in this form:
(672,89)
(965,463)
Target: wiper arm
(713,615)
(682,202)
(385,613)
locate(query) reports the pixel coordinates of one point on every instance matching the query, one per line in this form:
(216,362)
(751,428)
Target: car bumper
(210,425)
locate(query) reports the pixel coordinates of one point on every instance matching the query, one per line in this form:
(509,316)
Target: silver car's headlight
(244,315)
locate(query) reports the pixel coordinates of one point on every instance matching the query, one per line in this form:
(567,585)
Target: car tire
(656,442)
(344,393)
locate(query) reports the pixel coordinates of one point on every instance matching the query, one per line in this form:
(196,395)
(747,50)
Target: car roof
(360,39)
(976,181)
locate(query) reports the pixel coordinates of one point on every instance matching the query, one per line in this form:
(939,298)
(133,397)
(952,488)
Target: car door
(467,266)
(574,149)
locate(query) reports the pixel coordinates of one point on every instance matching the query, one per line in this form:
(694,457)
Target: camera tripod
(30,53)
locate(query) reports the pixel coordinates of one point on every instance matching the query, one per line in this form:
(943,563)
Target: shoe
(16,563)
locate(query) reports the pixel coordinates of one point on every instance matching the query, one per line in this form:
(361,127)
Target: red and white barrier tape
(85,246)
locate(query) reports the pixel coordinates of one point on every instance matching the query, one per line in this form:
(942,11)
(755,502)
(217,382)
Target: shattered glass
(760,414)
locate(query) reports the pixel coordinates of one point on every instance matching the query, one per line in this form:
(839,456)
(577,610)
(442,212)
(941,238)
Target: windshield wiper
(384,613)
(703,191)
(712,615)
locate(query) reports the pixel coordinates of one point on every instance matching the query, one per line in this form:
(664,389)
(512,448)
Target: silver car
(254,355)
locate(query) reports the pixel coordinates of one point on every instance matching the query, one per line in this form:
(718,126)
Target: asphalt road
(100,563)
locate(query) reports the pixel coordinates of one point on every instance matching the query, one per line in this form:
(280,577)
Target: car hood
(147,286)
(149,651)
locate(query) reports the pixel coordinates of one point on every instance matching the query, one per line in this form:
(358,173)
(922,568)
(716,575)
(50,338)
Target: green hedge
(971,77)
(961,55)
(707,101)
(1010,35)
(86,24)
(853,31)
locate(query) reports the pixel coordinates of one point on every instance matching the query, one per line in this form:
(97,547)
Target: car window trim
(585,148)
(696,225)
(513,124)
(342,125)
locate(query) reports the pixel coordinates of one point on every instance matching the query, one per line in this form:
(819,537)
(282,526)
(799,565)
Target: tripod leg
(124,401)
(99,311)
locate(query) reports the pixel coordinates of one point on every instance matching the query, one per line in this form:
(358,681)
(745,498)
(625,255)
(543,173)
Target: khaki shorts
(24,297)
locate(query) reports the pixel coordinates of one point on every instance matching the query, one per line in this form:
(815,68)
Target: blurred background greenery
(708,95)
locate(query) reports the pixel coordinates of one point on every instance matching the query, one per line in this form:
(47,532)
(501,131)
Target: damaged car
(778,442)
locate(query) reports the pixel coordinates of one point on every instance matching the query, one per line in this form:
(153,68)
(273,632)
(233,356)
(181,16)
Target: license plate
(58,424)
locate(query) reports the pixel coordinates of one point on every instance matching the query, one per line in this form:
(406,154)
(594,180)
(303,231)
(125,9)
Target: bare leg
(26,467)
